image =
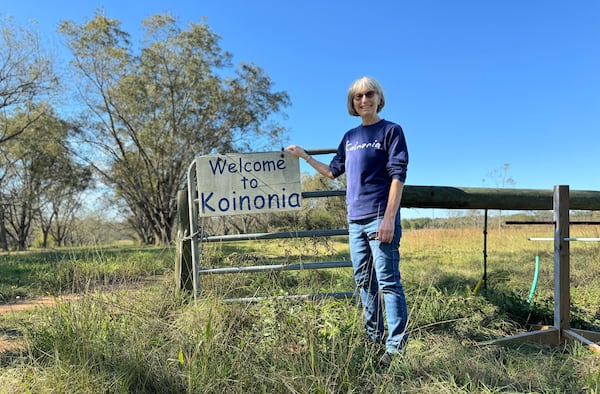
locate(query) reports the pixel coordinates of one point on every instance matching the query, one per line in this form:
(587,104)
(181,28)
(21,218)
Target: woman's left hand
(386,231)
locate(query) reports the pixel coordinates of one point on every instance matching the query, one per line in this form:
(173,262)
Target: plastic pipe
(535,279)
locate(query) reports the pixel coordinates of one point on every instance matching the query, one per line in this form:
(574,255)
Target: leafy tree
(151,111)
(26,77)
(40,175)
(62,199)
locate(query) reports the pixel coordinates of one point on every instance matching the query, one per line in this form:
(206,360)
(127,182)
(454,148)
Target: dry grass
(153,340)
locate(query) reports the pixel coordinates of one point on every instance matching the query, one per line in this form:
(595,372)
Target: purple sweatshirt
(371,156)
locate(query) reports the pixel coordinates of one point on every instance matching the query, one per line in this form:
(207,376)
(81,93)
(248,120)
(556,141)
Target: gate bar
(311,297)
(276,267)
(275,235)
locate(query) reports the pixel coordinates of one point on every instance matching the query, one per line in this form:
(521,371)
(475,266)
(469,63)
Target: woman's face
(366,102)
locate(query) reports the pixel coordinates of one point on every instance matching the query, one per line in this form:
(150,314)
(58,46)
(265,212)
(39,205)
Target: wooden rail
(450,197)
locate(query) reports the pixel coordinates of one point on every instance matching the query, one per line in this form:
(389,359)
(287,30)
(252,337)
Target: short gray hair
(363,83)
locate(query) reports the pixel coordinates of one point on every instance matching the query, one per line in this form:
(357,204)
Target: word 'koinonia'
(237,203)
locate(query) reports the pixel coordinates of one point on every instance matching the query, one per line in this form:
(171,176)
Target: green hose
(535,279)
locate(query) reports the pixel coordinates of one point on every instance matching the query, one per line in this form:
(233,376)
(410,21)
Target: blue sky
(474,84)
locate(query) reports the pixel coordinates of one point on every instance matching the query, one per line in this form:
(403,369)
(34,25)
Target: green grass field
(127,336)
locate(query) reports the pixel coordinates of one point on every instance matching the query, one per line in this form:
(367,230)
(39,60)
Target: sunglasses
(359,96)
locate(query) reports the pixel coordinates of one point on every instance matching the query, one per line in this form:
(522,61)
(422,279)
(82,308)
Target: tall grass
(152,340)
(55,272)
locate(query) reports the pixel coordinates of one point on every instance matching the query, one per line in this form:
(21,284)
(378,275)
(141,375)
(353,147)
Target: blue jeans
(377,268)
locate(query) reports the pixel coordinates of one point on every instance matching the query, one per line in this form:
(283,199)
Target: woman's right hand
(297,151)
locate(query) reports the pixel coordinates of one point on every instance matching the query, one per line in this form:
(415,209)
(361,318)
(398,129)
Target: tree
(3,205)
(61,200)
(150,113)
(327,212)
(40,175)
(3,235)
(26,77)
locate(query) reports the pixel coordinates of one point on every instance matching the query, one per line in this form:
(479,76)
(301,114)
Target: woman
(374,157)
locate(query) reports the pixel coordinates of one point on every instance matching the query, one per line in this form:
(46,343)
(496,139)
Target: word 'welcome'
(220,166)
(249,183)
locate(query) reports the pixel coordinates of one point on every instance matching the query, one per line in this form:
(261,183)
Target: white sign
(247,183)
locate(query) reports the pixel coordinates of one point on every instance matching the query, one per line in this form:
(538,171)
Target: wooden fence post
(183,257)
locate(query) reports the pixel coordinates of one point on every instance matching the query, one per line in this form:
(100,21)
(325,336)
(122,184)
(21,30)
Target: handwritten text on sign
(238,183)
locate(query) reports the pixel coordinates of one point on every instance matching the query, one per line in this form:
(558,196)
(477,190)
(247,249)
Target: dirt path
(29,304)
(11,341)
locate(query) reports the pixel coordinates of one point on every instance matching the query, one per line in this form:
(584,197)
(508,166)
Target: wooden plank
(590,335)
(580,338)
(549,336)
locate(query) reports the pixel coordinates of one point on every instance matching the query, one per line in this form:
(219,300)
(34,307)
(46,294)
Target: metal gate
(193,236)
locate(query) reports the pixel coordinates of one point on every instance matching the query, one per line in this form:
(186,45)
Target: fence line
(189,234)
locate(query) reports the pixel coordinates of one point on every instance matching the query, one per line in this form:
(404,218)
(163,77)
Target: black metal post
(485,223)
